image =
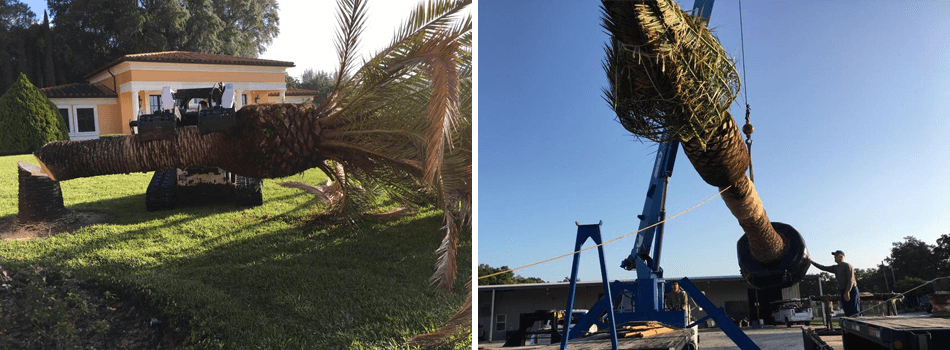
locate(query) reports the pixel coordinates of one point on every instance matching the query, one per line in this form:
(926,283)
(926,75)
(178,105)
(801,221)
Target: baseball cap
(837,252)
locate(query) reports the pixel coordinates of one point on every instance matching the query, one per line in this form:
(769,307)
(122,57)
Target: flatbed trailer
(895,332)
(678,339)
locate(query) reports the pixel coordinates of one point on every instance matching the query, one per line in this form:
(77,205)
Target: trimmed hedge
(28,120)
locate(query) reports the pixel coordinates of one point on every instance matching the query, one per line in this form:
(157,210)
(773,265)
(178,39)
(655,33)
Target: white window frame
(153,111)
(69,126)
(500,319)
(74,123)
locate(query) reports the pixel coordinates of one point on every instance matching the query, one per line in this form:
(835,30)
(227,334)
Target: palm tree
(400,123)
(671,80)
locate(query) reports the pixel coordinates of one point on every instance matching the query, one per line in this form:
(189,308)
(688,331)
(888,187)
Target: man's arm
(822,267)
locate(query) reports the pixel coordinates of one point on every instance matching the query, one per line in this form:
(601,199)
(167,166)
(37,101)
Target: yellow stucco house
(132,86)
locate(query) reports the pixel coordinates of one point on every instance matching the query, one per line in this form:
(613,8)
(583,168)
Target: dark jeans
(853,306)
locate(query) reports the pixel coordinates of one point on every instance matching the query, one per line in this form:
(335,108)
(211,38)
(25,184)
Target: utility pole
(884,271)
(893,278)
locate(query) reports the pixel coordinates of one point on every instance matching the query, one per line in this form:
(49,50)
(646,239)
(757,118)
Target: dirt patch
(15,229)
(44,309)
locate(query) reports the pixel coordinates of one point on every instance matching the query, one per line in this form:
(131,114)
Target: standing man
(676,299)
(891,309)
(847,285)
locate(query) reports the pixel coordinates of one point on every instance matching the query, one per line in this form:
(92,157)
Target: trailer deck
(895,332)
(677,339)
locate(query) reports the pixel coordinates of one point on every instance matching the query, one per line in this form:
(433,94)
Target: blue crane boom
(649,288)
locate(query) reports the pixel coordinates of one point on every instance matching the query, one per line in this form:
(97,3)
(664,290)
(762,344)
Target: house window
(85,120)
(500,322)
(65,113)
(244,99)
(155,103)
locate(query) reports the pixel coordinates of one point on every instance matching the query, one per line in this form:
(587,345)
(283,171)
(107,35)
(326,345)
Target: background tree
(15,18)
(942,254)
(91,33)
(504,278)
(319,81)
(28,119)
(914,258)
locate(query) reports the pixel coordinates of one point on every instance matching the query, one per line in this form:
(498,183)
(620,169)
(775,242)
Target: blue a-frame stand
(583,233)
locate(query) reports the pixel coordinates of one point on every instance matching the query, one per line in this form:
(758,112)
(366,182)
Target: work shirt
(676,300)
(844,274)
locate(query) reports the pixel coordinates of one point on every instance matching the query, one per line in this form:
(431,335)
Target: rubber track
(160,194)
(247,191)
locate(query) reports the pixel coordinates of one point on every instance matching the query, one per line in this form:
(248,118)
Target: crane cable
(747,128)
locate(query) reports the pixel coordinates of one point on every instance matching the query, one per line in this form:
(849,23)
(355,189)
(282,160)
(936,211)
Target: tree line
(78,36)
(320,81)
(504,278)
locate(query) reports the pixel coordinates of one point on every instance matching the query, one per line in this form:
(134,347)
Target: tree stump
(40,197)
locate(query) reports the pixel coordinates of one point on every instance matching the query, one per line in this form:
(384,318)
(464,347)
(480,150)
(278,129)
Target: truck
(792,311)
(210,110)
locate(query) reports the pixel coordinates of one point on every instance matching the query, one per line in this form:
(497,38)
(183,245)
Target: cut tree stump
(40,197)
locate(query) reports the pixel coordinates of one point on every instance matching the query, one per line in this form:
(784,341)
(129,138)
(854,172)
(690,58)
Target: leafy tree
(28,119)
(291,82)
(92,33)
(908,283)
(942,254)
(871,280)
(319,81)
(15,18)
(504,278)
(828,279)
(914,258)
(249,25)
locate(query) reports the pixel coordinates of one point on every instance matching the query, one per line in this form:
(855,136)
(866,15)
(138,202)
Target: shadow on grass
(303,287)
(296,286)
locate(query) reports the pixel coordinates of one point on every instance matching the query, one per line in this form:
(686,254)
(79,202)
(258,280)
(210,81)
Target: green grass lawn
(252,278)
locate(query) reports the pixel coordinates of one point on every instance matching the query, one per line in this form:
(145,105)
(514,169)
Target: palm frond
(351,17)
(401,124)
(668,74)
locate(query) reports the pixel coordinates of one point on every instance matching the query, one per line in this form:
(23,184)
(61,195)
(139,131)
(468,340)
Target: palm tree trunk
(40,198)
(267,141)
(723,164)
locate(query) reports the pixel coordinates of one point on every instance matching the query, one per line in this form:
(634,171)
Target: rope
(745,80)
(898,295)
(747,128)
(610,241)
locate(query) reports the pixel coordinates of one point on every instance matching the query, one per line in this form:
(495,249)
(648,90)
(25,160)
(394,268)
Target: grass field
(267,277)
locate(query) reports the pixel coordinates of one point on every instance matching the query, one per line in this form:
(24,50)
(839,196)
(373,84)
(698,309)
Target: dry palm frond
(668,74)
(403,122)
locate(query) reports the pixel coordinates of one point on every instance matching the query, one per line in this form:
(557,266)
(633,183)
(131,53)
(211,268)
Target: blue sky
(850,101)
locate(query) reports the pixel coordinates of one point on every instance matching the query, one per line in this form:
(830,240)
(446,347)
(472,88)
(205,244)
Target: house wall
(105,112)
(196,75)
(136,81)
(125,111)
(110,119)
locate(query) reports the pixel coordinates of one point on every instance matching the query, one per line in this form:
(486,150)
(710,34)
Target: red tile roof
(297,92)
(191,57)
(78,91)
